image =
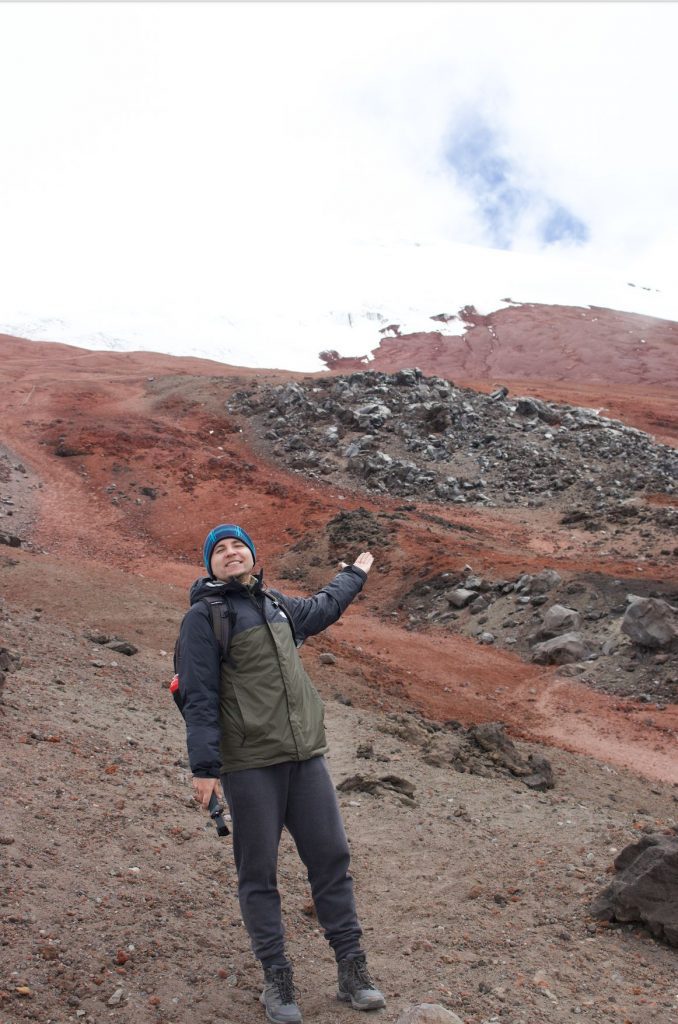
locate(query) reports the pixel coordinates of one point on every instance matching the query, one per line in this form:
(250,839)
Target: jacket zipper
(262,610)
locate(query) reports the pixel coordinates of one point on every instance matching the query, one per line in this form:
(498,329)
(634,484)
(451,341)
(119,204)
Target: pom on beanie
(217,534)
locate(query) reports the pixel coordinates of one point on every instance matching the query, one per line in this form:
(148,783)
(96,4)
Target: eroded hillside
(112,468)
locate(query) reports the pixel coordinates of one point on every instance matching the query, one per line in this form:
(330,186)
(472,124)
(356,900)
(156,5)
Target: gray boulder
(650,622)
(461,597)
(532,407)
(428,1013)
(561,650)
(544,581)
(540,583)
(557,620)
(486,637)
(645,888)
(374,414)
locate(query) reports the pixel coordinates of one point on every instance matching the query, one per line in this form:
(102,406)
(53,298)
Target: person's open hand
(363,561)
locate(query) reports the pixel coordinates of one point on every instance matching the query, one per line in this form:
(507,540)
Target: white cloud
(221,155)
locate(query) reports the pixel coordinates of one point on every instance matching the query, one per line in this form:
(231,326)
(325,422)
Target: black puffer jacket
(259,707)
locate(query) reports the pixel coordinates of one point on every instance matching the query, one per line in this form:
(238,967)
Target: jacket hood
(207,587)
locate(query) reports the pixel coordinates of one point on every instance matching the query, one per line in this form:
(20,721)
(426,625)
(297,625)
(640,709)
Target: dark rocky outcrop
(540,625)
(483,750)
(645,888)
(535,772)
(369,784)
(408,434)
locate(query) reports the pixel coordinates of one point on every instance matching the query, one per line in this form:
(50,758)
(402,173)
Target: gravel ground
(119,902)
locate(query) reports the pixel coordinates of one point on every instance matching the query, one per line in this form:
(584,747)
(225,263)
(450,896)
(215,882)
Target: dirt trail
(452,677)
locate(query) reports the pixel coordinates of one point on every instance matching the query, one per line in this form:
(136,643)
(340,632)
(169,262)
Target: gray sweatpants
(298,795)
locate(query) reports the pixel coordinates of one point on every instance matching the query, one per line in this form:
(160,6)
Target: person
(255,725)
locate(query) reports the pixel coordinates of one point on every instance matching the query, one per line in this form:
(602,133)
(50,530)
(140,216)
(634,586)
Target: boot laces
(284,985)
(360,974)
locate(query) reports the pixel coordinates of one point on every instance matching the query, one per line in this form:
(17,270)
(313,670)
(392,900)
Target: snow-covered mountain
(290,313)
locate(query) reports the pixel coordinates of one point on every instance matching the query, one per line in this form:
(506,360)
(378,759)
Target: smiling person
(255,725)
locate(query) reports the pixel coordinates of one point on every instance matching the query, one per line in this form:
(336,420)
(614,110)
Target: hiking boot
(278,995)
(356,986)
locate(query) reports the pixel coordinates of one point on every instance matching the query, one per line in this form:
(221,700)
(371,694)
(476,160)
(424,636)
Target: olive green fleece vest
(270,711)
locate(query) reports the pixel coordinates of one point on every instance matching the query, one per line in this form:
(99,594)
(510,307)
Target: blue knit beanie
(217,534)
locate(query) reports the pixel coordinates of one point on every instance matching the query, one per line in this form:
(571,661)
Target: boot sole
(346,997)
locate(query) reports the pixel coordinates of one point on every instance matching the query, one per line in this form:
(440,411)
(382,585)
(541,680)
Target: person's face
(231,559)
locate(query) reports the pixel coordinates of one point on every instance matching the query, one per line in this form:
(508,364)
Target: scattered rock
(327,659)
(408,434)
(557,620)
(539,583)
(491,736)
(535,772)
(535,407)
(540,776)
(483,750)
(10,540)
(650,622)
(367,784)
(99,638)
(561,650)
(461,597)
(592,603)
(428,1013)
(423,438)
(486,638)
(122,647)
(646,887)
(116,998)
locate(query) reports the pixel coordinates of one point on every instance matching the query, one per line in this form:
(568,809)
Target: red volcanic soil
(133,456)
(117,899)
(623,363)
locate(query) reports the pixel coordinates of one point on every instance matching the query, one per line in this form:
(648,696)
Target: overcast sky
(156,154)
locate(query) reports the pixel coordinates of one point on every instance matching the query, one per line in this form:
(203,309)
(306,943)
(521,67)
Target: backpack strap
(221,616)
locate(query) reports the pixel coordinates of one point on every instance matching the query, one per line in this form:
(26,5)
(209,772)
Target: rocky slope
(409,436)
(118,900)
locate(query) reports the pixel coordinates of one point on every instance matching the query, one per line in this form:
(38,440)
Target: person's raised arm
(310,615)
